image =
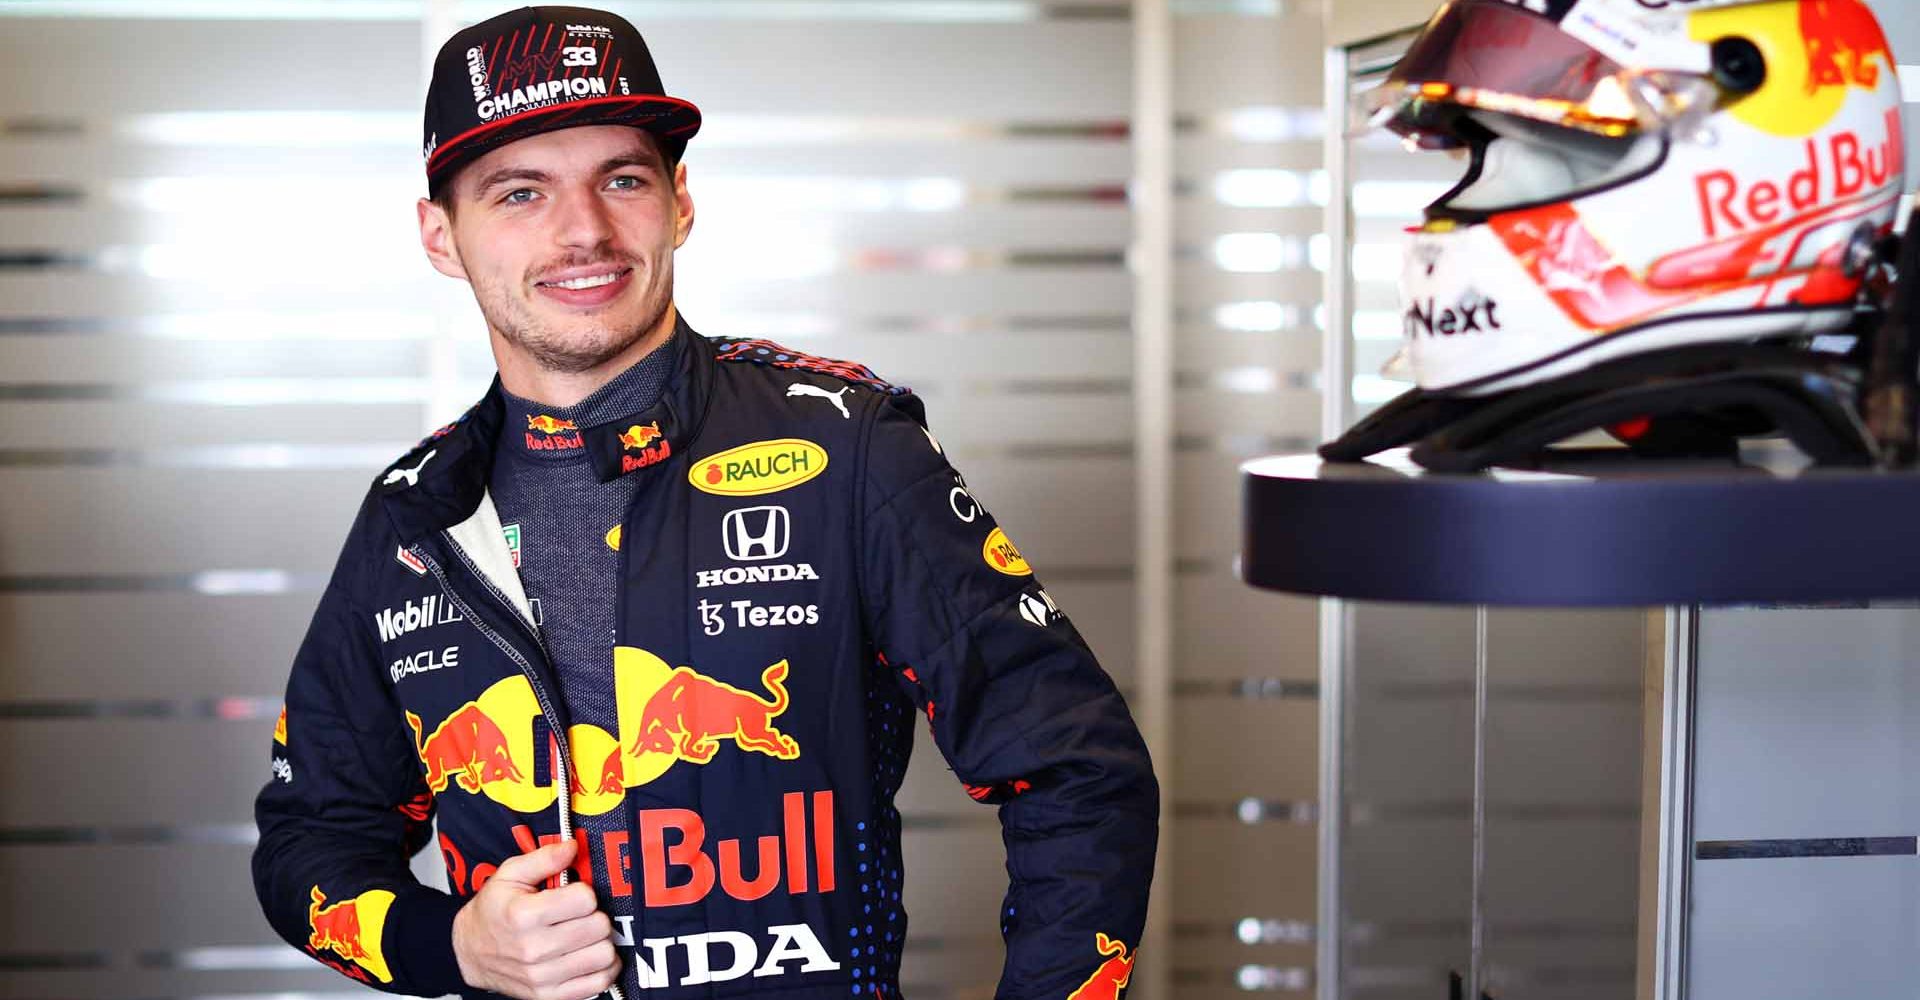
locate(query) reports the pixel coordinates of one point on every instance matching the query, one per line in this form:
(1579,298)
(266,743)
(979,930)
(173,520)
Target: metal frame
(1676,802)
(1153,417)
(1336,619)
(1477,960)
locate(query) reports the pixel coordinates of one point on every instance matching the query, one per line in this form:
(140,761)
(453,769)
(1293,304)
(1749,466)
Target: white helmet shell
(1564,248)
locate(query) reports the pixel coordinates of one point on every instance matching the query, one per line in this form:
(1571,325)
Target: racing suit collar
(446,489)
(633,442)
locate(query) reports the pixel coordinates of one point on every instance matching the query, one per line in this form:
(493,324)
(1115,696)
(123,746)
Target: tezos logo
(757,468)
(746,614)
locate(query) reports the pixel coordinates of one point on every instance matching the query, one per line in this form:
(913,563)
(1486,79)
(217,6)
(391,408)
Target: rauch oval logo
(757,468)
(1001,555)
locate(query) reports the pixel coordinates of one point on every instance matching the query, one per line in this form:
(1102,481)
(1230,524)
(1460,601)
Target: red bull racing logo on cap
(351,929)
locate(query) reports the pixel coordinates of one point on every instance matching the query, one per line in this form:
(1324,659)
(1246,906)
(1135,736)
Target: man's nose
(583,222)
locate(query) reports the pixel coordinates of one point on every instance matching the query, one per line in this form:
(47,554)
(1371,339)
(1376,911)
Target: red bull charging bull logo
(1113,974)
(468,746)
(640,435)
(1817,53)
(553,434)
(666,715)
(690,714)
(642,438)
(351,929)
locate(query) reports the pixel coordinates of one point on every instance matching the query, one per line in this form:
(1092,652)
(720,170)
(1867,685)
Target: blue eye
(624,182)
(514,196)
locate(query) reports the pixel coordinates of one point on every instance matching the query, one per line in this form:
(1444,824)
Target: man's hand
(515,938)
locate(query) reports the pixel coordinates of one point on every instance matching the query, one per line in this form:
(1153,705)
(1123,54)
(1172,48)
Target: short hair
(440,190)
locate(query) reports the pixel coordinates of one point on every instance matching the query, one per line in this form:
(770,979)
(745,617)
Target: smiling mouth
(593,281)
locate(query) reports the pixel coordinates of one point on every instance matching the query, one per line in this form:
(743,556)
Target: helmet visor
(1493,55)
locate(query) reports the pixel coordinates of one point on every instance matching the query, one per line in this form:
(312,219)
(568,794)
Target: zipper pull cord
(566,834)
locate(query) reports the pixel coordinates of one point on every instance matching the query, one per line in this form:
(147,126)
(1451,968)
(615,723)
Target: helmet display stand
(1780,714)
(1643,533)
(1612,726)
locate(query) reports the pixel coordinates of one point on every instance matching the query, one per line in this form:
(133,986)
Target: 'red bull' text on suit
(804,581)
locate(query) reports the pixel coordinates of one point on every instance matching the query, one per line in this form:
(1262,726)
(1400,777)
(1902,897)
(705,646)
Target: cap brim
(667,118)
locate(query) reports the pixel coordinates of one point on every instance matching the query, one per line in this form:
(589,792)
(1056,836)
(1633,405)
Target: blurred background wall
(216,326)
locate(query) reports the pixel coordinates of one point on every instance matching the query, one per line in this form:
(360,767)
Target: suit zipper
(562,797)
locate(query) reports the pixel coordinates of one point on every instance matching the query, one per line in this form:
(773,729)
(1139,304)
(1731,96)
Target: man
(651,626)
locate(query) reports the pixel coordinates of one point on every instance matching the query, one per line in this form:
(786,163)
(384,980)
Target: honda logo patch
(755,534)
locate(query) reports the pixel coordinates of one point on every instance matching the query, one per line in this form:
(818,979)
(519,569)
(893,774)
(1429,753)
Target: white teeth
(579,283)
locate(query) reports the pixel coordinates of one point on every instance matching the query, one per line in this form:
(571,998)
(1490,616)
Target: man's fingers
(569,902)
(548,942)
(534,868)
(588,986)
(581,932)
(592,960)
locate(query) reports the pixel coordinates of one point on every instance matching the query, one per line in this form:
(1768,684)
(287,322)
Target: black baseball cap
(537,69)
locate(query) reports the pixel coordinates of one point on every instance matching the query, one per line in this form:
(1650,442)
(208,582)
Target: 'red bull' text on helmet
(1645,182)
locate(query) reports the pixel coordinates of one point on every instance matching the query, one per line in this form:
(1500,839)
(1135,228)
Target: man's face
(567,239)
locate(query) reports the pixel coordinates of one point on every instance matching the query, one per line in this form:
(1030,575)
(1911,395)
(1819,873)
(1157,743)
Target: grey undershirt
(544,484)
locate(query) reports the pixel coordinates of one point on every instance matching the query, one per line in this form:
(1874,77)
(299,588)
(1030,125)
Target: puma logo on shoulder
(412,476)
(804,389)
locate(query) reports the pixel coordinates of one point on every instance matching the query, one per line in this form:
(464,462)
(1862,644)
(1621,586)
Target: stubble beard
(582,346)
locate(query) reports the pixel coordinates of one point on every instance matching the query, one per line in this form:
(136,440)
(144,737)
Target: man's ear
(682,206)
(436,238)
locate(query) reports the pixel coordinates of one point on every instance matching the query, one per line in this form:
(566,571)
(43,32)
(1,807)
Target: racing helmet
(1641,176)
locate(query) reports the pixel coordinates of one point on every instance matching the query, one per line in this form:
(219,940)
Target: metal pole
(1676,802)
(1329,914)
(1477,969)
(1335,619)
(1152,260)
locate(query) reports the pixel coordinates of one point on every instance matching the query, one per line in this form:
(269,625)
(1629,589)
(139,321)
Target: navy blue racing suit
(804,580)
